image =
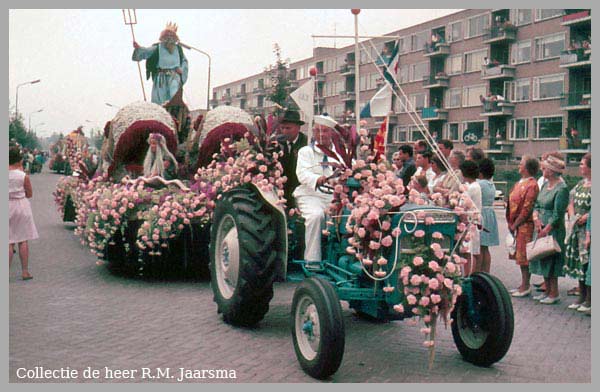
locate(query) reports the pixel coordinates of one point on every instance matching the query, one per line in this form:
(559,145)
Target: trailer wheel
(483,337)
(242,257)
(317,328)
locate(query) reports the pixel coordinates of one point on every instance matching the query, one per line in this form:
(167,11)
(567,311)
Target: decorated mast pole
(131,19)
(355,12)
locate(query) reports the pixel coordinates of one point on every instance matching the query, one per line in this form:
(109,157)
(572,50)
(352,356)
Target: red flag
(380,138)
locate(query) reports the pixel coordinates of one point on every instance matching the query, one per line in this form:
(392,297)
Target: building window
(400,105)
(477,25)
(418,71)
(330,65)
(454,64)
(548,87)
(453,132)
(419,40)
(453,98)
(521,17)
(455,31)
(546,13)
(400,134)
(368,82)
(519,129)
(521,52)
(549,46)
(418,101)
(403,73)
(517,91)
(474,60)
(404,45)
(548,127)
(471,95)
(415,133)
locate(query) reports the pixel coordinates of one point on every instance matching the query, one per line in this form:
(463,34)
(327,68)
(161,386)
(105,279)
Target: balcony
(259,90)
(393,120)
(497,109)
(226,99)
(437,50)
(435,81)
(347,70)
(579,100)
(347,95)
(432,113)
(583,16)
(575,58)
(503,33)
(320,76)
(293,84)
(240,94)
(501,71)
(319,101)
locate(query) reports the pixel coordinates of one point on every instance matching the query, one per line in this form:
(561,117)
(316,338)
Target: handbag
(511,244)
(541,248)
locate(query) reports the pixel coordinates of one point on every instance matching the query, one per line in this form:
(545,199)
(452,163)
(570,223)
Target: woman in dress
(549,219)
(519,210)
(489,232)
(21,227)
(470,172)
(576,255)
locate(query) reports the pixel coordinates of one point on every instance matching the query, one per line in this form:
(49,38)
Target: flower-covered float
(389,254)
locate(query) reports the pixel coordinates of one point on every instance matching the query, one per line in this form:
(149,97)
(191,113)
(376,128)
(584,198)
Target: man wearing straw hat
(315,165)
(167,66)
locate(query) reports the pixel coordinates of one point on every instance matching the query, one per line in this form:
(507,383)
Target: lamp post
(37,111)
(209,62)
(17,97)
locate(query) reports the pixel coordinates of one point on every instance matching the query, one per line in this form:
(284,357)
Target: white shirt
(429,174)
(309,168)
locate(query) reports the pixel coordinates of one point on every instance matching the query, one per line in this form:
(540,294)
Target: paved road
(76,315)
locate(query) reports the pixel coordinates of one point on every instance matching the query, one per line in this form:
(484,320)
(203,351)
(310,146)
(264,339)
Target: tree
(17,132)
(280,82)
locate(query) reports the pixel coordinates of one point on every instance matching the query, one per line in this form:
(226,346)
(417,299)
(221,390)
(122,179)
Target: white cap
(325,120)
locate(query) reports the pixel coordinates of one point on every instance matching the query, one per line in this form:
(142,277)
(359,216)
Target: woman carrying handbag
(549,219)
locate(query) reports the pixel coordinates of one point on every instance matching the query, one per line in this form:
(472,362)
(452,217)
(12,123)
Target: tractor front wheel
(317,328)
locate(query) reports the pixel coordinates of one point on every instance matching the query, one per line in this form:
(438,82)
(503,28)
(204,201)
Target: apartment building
(517,79)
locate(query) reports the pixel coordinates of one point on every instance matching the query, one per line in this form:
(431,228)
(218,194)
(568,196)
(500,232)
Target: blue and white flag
(380,105)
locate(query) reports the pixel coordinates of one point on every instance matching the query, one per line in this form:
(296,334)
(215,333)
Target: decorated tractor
(388,257)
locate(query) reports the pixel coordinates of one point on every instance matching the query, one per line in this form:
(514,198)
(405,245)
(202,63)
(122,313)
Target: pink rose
(399,308)
(415,280)
(388,289)
(435,247)
(367,262)
(386,225)
(428,343)
(424,301)
(457,290)
(379,203)
(419,234)
(405,271)
(434,266)
(373,215)
(450,267)
(448,283)
(387,241)
(380,273)
(416,310)
(396,232)
(411,299)
(374,245)
(435,298)
(418,260)
(429,220)
(434,284)
(382,261)
(351,250)
(437,235)
(439,254)
(362,232)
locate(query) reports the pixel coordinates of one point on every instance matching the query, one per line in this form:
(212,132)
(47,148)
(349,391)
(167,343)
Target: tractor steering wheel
(327,188)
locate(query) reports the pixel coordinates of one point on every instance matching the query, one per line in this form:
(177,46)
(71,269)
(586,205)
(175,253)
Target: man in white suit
(313,168)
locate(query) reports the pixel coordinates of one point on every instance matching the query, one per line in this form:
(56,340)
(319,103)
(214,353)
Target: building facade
(518,80)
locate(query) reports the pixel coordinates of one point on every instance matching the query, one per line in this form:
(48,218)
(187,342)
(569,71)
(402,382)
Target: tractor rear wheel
(243,251)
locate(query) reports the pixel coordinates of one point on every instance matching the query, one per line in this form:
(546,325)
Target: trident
(130,19)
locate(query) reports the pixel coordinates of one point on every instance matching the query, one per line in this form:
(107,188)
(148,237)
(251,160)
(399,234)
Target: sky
(83,57)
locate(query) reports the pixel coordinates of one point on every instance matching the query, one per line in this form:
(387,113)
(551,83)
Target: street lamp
(209,61)
(17,97)
(37,111)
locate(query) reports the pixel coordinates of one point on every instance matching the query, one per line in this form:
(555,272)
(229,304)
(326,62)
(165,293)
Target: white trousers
(312,209)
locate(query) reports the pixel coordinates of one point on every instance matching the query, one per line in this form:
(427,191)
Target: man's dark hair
(426,154)
(422,145)
(469,169)
(477,154)
(14,155)
(447,143)
(407,149)
(438,163)
(487,168)
(532,165)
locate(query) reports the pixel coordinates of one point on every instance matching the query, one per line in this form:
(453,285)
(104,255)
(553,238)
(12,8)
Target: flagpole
(355,12)
(387,129)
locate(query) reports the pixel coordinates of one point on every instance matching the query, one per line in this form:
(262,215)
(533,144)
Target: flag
(304,98)
(380,105)
(392,63)
(380,138)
